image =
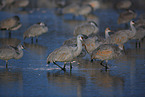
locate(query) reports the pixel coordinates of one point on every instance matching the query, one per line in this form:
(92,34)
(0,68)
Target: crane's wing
(61,54)
(7,52)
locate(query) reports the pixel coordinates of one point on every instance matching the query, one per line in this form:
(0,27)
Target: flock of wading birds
(86,40)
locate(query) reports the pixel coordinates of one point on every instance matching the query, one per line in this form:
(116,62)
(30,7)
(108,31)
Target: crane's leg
(36,39)
(59,66)
(102,63)
(64,66)
(70,65)
(106,66)
(32,40)
(6,64)
(136,44)
(9,34)
(139,43)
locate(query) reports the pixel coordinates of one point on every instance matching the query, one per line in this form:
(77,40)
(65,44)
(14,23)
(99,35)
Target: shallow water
(31,76)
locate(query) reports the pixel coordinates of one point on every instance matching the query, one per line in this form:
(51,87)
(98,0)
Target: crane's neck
(133,28)
(107,34)
(78,48)
(18,52)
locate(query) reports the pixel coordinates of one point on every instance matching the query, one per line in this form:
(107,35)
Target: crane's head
(107,30)
(41,24)
(132,22)
(81,37)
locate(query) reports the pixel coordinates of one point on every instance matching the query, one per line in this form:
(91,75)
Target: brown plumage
(92,43)
(106,52)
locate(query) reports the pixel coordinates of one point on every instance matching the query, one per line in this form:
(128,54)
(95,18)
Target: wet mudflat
(31,76)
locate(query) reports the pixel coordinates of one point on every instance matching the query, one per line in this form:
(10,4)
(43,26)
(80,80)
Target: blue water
(30,76)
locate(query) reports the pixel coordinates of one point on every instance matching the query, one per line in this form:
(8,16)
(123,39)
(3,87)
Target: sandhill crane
(122,36)
(73,42)
(66,53)
(86,29)
(126,16)
(140,34)
(35,30)
(106,52)
(93,42)
(9,52)
(123,4)
(11,23)
(84,9)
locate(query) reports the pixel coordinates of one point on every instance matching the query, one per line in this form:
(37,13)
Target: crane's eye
(81,38)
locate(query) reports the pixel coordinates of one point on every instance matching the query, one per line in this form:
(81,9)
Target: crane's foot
(63,69)
(106,66)
(60,66)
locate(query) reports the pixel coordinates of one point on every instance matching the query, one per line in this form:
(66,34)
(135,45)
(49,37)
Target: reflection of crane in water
(67,82)
(11,81)
(10,41)
(35,48)
(103,81)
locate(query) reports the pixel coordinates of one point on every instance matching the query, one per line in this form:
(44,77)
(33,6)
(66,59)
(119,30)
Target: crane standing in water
(35,31)
(66,53)
(9,52)
(106,52)
(12,23)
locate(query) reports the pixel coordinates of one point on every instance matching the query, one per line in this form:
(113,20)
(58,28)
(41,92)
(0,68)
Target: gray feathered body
(65,53)
(86,29)
(12,23)
(71,41)
(35,30)
(8,52)
(62,54)
(140,34)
